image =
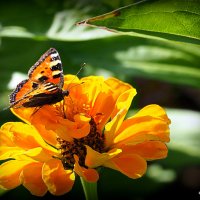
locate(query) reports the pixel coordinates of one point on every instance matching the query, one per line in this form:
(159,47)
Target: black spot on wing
(57,75)
(35,85)
(56,67)
(43,78)
(55,58)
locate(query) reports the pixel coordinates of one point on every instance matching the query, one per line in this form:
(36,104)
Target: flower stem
(90,190)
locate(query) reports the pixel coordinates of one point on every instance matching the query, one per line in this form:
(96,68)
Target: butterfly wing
(24,96)
(45,83)
(48,69)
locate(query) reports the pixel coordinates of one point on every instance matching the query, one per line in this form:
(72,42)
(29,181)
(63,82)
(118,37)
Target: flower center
(94,139)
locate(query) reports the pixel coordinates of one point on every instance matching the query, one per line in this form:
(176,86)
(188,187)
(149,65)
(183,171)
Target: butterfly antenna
(82,66)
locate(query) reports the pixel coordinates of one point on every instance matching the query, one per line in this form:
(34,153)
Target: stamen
(77,147)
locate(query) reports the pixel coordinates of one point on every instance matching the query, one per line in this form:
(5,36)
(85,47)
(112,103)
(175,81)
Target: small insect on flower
(44,85)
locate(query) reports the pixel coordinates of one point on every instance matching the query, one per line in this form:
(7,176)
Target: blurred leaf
(46,24)
(15,31)
(41,27)
(63,28)
(185,131)
(2,192)
(184,145)
(122,57)
(157,173)
(177,20)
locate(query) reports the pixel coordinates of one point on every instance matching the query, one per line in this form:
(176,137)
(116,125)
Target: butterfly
(44,83)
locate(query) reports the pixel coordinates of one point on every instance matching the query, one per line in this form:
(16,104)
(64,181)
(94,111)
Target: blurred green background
(165,72)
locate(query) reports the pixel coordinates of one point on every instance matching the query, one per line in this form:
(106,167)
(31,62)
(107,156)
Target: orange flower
(85,131)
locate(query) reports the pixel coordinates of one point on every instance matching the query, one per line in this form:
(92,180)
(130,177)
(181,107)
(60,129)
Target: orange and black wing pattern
(44,85)
(47,69)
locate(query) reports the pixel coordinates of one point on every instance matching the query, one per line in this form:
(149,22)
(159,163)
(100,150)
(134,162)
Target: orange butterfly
(44,85)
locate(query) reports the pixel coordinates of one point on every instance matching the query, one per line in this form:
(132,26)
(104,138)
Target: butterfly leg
(35,110)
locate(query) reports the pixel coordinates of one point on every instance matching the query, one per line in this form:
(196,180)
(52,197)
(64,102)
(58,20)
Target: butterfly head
(65,93)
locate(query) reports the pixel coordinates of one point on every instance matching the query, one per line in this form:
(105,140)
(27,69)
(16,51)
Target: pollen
(86,107)
(77,147)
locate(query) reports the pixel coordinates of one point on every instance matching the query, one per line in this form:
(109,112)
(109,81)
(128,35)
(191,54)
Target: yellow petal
(112,127)
(154,111)
(131,165)
(31,178)
(9,152)
(81,119)
(149,150)
(103,105)
(67,129)
(112,99)
(124,101)
(140,129)
(43,121)
(6,136)
(95,159)
(34,154)
(9,173)
(90,175)
(23,113)
(69,78)
(91,86)
(25,136)
(117,86)
(39,154)
(57,180)
(122,105)
(48,135)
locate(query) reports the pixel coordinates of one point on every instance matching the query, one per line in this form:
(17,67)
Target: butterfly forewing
(47,69)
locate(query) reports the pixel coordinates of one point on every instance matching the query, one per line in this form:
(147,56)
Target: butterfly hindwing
(47,93)
(22,88)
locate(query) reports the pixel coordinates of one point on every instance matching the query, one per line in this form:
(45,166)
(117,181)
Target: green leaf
(177,20)
(46,23)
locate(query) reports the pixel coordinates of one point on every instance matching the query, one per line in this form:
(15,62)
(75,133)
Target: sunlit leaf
(177,20)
